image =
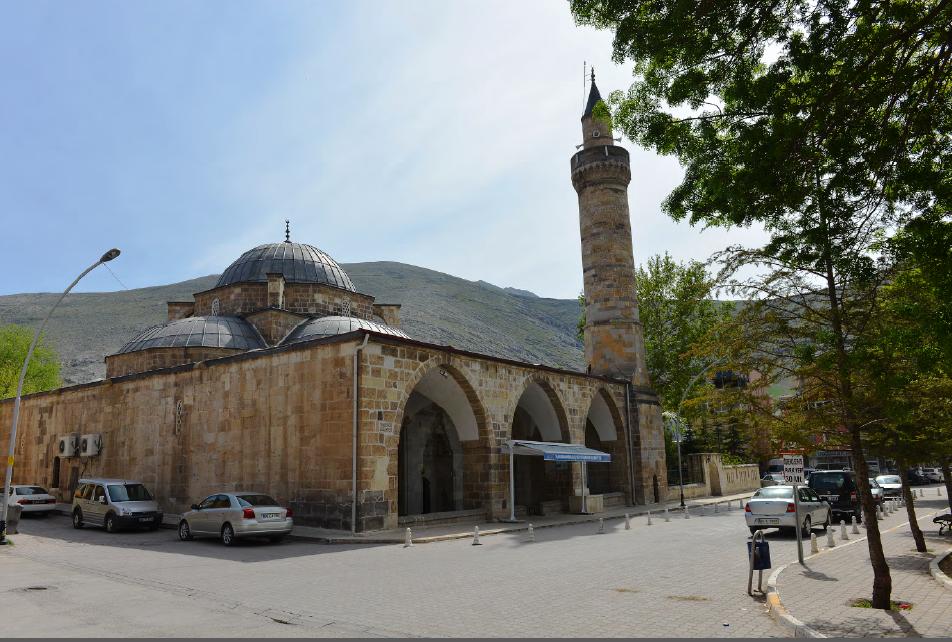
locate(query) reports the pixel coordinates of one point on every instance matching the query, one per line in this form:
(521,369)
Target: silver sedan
(231,516)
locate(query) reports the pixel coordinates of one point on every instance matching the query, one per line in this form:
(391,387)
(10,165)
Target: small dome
(330,326)
(194,332)
(299,263)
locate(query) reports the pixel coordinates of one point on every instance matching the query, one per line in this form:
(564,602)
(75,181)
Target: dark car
(838,488)
(916,479)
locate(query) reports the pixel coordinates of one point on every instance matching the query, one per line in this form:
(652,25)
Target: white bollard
(830,542)
(667,517)
(408,540)
(687,515)
(854,529)
(628,522)
(601,525)
(531,533)
(843,534)
(814,547)
(476,541)
(649,518)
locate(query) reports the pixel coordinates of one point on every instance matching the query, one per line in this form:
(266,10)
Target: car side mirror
(102,500)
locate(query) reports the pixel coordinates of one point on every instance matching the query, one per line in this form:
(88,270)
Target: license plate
(270,515)
(145,519)
(763,520)
(830,498)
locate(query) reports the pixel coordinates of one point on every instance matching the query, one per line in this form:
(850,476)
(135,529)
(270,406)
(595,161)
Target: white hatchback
(773,507)
(32,499)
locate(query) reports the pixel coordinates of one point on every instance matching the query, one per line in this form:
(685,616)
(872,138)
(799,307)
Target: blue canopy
(554,451)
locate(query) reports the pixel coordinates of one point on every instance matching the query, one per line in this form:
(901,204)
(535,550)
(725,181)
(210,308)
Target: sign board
(793,469)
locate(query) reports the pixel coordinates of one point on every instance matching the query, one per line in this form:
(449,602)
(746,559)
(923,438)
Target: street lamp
(677,434)
(108,256)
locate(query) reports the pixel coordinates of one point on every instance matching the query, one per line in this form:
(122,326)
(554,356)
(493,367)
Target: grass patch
(894,605)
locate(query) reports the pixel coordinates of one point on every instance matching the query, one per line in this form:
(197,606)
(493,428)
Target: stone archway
(540,416)
(443,446)
(605,431)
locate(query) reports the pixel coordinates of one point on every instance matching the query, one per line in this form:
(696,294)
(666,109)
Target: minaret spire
(287,230)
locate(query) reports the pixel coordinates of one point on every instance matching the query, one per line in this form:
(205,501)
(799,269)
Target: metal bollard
(843,534)
(854,529)
(408,540)
(830,542)
(476,541)
(715,507)
(649,518)
(667,517)
(814,547)
(601,525)
(628,522)
(531,533)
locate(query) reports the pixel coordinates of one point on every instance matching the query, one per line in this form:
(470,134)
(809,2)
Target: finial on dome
(593,73)
(287,230)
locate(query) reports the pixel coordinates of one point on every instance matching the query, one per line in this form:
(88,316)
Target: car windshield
(255,500)
(774,492)
(129,493)
(888,479)
(873,484)
(827,481)
(31,490)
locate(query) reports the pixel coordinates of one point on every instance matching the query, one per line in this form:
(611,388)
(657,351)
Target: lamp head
(110,255)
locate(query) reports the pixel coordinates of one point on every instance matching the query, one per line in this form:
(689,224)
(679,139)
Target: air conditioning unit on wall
(90,445)
(68,446)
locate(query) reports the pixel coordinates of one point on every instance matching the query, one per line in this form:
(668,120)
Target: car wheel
(807,527)
(184,532)
(227,535)
(110,523)
(77,518)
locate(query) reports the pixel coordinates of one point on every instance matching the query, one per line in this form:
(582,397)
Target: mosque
(284,378)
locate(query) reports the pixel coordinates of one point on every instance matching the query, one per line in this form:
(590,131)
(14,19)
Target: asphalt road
(683,578)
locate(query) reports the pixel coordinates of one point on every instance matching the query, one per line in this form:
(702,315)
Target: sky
(429,132)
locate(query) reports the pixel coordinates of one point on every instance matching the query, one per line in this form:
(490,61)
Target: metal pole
(512,485)
(680,467)
(584,485)
(796,508)
(108,256)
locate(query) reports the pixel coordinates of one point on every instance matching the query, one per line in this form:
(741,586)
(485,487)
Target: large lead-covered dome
(194,332)
(298,262)
(329,326)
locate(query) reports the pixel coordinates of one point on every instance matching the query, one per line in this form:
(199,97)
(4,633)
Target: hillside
(437,308)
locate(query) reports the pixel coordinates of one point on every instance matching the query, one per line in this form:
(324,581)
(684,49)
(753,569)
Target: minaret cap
(593,98)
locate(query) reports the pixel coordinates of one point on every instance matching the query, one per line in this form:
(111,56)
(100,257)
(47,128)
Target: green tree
(827,123)
(44,371)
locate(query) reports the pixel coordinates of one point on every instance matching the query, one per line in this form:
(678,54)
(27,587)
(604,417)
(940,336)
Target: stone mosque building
(284,378)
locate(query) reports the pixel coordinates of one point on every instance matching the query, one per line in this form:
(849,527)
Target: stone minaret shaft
(614,340)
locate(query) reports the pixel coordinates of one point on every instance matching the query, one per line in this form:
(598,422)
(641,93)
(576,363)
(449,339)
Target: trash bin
(761,555)
(13,518)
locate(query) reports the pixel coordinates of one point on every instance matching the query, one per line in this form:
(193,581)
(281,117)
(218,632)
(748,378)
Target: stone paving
(687,577)
(818,594)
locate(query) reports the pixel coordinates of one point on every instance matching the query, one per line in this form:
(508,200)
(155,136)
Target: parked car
(891,485)
(838,488)
(32,499)
(934,475)
(114,504)
(879,495)
(772,479)
(916,479)
(232,516)
(773,507)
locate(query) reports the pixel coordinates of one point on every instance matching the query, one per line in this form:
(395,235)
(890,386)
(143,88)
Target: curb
(937,573)
(780,613)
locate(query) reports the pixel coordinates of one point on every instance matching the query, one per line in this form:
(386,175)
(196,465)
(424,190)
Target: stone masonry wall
(314,299)
(118,365)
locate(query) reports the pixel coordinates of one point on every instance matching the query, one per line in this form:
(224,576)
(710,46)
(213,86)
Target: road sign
(793,469)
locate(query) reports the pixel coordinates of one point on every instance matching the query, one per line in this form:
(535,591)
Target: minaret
(614,341)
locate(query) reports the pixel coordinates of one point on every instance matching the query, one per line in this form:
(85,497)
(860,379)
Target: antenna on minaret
(287,230)
(584,80)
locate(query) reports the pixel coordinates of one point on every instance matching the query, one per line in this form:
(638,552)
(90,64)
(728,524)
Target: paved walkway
(820,592)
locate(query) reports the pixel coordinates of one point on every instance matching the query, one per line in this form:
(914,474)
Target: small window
(216,307)
(99,493)
(207,502)
(246,501)
(345,308)
(222,501)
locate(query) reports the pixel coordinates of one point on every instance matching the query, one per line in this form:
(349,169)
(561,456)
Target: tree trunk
(911,512)
(948,481)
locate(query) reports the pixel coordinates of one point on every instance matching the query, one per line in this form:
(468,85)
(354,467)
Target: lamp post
(677,434)
(108,256)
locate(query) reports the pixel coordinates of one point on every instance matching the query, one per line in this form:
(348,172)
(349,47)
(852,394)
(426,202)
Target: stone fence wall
(716,478)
